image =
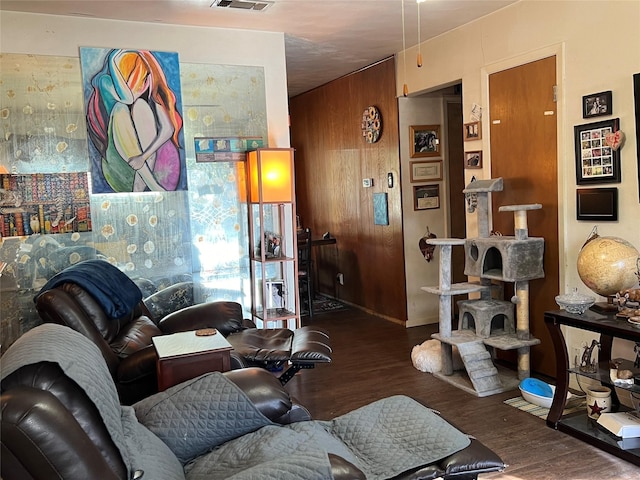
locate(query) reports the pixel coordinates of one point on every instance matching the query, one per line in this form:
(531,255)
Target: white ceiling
(324,39)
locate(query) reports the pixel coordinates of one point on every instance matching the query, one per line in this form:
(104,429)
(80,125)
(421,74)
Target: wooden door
(456,186)
(523,152)
(457,209)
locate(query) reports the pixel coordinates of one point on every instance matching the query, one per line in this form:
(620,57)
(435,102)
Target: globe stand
(607,307)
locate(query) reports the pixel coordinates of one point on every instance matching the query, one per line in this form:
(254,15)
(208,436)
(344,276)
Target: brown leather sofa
(53,428)
(125,341)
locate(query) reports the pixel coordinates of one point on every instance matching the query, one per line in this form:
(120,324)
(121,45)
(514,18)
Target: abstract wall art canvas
(134,120)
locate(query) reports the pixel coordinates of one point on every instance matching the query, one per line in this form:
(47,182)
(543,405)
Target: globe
(608,264)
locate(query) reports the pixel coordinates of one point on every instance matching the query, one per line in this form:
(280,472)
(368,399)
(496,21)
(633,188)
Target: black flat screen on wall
(599,204)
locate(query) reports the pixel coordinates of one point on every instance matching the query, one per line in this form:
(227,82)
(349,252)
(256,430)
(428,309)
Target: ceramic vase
(598,401)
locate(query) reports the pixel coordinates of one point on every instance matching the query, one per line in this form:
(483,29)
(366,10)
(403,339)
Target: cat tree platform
(486,322)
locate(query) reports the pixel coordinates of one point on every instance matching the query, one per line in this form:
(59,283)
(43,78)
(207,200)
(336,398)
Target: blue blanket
(113,290)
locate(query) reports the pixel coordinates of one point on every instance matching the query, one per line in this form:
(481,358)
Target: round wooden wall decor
(371,124)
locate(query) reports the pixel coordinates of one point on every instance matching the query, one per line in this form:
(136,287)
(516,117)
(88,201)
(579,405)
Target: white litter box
(538,392)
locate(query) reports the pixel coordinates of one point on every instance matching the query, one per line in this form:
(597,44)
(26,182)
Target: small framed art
(275,294)
(472,131)
(473,159)
(425,140)
(597,104)
(425,170)
(426,197)
(272,244)
(597,155)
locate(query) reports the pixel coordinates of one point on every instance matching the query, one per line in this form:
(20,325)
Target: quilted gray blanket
(383,439)
(217,432)
(207,428)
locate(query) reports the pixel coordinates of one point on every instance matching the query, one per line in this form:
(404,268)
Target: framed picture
(597,204)
(425,170)
(275,294)
(425,140)
(426,197)
(473,159)
(472,131)
(272,244)
(597,155)
(597,104)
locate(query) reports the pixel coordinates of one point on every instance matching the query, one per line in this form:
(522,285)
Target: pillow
(195,416)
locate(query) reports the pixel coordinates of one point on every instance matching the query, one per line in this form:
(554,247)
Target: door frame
(556,50)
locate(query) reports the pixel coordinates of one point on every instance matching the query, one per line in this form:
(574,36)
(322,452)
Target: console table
(578,424)
(185,355)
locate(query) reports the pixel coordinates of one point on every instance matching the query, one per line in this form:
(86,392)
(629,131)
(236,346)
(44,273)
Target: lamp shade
(271,175)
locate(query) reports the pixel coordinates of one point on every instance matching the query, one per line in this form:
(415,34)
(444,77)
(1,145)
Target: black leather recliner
(125,342)
(61,420)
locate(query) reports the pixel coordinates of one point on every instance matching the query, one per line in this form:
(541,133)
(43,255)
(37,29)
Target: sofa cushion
(263,345)
(210,405)
(136,336)
(224,316)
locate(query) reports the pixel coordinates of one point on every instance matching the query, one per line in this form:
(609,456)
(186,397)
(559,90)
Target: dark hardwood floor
(372,360)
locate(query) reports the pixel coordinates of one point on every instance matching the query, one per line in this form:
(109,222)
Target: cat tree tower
(485,323)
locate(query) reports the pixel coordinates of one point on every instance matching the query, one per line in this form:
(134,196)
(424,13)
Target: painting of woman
(134,123)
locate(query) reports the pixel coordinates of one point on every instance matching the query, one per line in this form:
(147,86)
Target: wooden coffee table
(185,355)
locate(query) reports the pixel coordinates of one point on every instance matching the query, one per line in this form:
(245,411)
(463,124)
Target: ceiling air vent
(242,4)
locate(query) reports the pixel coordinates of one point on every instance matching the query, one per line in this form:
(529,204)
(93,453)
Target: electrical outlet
(340,278)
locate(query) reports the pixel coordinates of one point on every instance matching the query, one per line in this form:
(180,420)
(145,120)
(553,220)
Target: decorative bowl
(575,302)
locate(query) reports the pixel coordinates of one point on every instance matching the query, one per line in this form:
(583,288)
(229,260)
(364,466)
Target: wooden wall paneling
(325,126)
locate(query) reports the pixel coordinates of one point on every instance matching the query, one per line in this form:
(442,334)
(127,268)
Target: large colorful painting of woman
(134,122)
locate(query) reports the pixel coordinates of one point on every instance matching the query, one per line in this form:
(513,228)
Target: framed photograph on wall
(425,170)
(597,104)
(473,159)
(426,197)
(472,131)
(597,155)
(425,140)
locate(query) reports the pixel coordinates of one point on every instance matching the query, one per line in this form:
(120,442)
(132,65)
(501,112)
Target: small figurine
(636,349)
(586,364)
(34,223)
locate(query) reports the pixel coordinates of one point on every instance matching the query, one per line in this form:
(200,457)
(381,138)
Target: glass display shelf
(579,424)
(267,259)
(602,375)
(275,314)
